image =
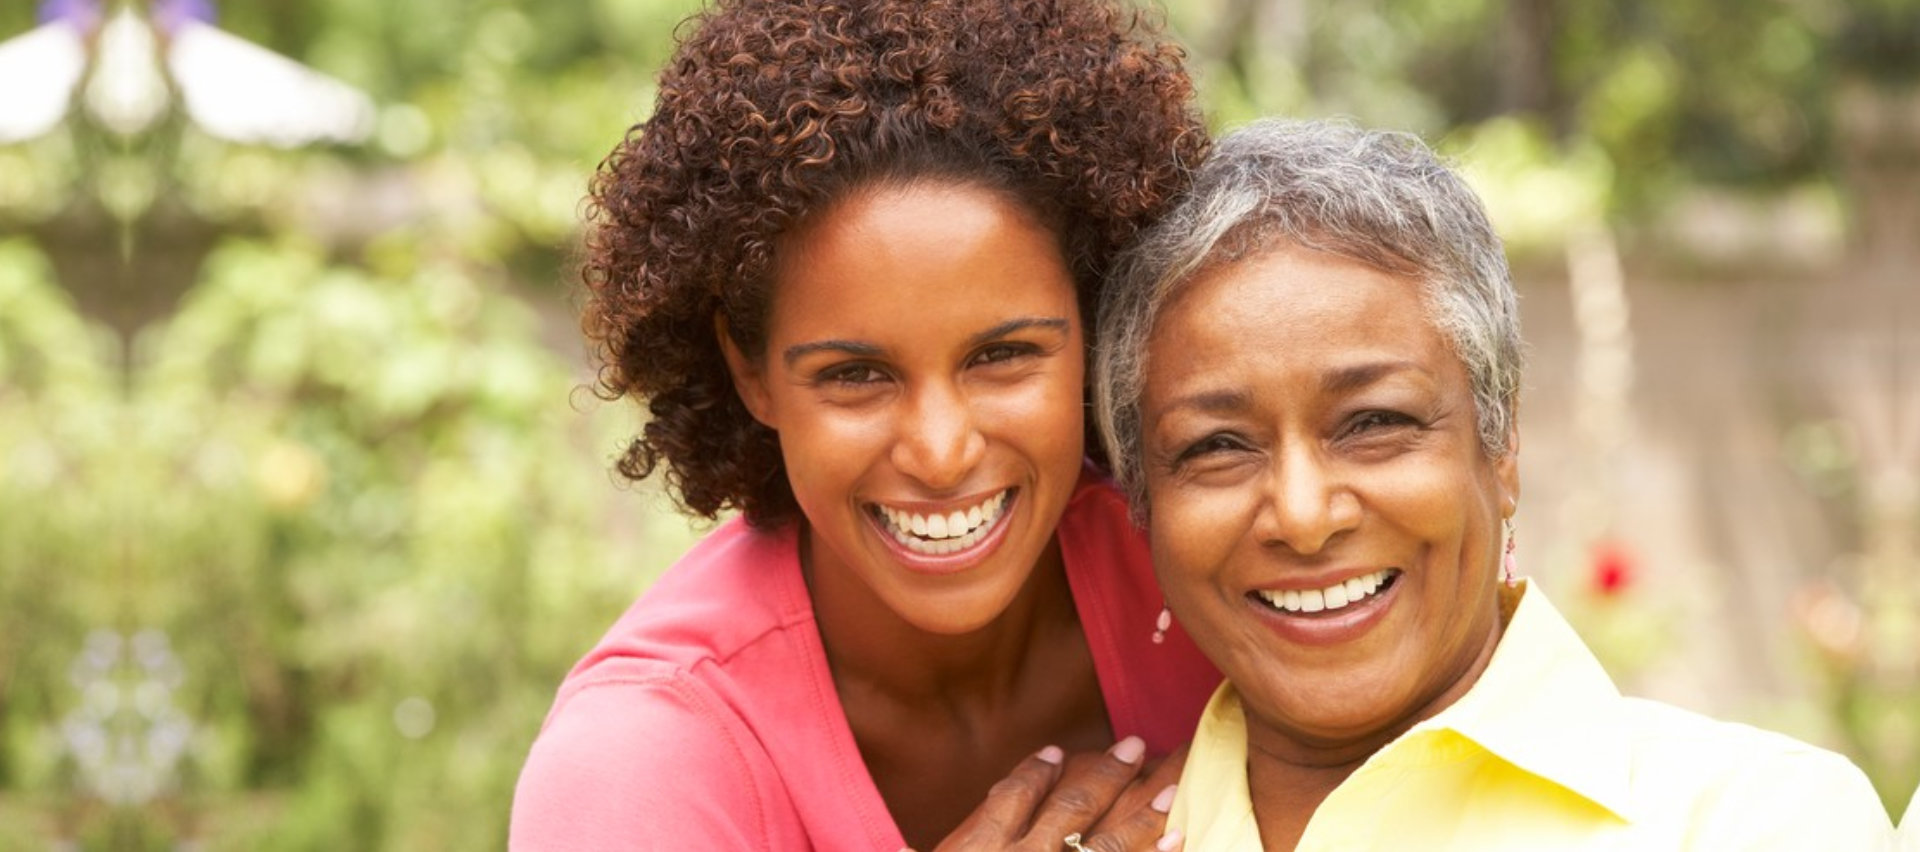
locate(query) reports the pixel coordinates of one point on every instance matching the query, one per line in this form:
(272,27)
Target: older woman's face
(1324,521)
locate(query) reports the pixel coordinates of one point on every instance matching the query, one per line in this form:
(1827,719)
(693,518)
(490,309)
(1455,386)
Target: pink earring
(1506,562)
(1161,624)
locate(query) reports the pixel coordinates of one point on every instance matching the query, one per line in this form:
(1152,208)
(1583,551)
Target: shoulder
(640,764)
(1714,746)
(1741,787)
(650,742)
(734,564)
(1910,824)
(728,594)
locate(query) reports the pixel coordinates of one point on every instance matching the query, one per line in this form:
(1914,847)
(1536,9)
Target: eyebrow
(1361,375)
(1212,401)
(1339,381)
(846,347)
(867,350)
(1058,324)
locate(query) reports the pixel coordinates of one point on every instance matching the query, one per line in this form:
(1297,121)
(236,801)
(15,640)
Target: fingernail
(1164,802)
(1129,750)
(1052,754)
(1169,841)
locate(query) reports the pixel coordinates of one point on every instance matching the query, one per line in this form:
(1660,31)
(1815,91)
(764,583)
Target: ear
(749,380)
(1507,470)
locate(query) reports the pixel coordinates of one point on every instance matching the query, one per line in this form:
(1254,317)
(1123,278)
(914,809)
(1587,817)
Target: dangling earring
(1161,624)
(1506,562)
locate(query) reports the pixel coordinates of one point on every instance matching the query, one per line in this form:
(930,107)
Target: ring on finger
(1073,842)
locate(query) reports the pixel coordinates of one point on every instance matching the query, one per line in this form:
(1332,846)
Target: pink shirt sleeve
(645,765)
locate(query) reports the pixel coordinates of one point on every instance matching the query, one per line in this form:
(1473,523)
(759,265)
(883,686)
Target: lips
(1328,615)
(1331,598)
(943,533)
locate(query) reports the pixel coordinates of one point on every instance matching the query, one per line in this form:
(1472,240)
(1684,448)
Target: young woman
(846,264)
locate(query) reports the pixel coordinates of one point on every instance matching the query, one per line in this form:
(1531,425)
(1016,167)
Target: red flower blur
(1613,569)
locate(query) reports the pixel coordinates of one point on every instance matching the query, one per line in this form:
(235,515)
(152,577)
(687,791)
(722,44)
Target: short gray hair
(1381,198)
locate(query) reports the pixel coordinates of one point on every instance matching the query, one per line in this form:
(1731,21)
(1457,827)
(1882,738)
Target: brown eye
(1375,421)
(1378,431)
(1214,444)
(851,375)
(997,353)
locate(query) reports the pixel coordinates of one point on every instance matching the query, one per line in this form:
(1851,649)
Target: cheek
(1194,532)
(1454,531)
(822,451)
(1428,501)
(1046,416)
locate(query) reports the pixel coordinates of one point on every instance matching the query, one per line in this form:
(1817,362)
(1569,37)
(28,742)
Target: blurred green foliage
(1672,93)
(363,511)
(303,509)
(293,555)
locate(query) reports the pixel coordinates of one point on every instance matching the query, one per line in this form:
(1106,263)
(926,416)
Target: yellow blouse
(1910,825)
(1543,753)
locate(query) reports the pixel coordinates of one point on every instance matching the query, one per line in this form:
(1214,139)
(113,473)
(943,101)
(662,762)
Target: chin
(1326,707)
(956,614)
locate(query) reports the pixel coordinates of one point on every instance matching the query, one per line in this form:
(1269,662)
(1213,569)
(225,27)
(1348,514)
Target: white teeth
(941,534)
(1358,588)
(1336,596)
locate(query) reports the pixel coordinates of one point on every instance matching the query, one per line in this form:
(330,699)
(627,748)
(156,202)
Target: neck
(871,649)
(1291,772)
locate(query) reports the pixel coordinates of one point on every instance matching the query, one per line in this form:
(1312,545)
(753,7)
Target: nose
(938,443)
(1307,503)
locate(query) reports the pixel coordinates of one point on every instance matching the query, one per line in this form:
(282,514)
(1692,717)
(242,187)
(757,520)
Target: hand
(1104,798)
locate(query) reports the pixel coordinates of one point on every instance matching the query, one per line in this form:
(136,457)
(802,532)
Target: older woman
(843,266)
(1308,389)
(1910,825)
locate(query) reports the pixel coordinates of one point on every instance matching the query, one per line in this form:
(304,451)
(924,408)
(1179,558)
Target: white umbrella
(229,87)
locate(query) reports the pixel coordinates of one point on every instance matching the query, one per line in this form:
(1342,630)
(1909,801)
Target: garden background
(305,505)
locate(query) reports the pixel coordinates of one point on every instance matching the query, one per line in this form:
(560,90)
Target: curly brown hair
(772,109)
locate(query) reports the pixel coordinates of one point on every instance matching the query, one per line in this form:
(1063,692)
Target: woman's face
(1324,521)
(923,370)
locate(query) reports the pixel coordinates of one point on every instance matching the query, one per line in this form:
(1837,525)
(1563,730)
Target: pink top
(707,719)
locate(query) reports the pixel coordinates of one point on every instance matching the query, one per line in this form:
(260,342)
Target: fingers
(1088,787)
(1165,772)
(1161,774)
(1010,804)
(1012,800)
(1137,821)
(1139,830)
(1103,797)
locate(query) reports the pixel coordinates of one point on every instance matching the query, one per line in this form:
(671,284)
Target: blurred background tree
(304,510)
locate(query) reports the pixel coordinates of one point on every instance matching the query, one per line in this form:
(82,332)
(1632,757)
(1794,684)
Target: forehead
(1290,309)
(894,255)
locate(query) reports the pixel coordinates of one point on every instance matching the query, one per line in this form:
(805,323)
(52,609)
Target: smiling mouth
(1331,599)
(939,534)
